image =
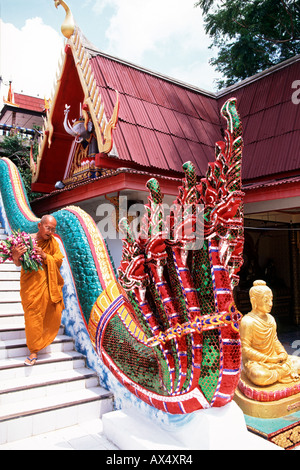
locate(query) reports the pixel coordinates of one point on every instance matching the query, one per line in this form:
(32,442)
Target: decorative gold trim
(48,129)
(10,97)
(287,439)
(92,98)
(68,26)
(267,410)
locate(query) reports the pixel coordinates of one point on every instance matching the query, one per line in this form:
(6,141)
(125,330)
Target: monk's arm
(17,253)
(56,255)
(57,258)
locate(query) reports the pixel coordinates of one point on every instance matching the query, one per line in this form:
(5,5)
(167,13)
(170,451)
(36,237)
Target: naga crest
(169,329)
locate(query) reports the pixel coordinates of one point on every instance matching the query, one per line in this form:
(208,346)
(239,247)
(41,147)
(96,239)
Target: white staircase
(58,392)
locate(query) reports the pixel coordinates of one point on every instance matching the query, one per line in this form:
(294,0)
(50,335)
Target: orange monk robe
(42,298)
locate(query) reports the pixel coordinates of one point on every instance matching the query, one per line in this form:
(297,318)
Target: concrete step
(33,417)
(9,331)
(17,347)
(10,296)
(16,319)
(11,308)
(37,386)
(10,276)
(34,406)
(13,367)
(9,286)
(58,392)
(13,331)
(9,266)
(83,436)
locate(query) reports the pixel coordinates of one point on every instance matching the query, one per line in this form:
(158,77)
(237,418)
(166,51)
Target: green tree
(15,148)
(251,35)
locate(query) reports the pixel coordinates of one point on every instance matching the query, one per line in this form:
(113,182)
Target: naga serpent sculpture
(173,312)
(165,324)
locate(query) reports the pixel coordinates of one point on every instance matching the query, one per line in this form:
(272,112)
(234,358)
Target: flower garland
(30,260)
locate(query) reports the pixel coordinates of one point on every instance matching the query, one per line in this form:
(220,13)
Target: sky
(165,36)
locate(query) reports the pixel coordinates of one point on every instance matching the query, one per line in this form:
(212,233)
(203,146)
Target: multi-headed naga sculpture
(168,330)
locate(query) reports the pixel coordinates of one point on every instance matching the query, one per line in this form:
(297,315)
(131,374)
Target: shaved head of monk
(47,227)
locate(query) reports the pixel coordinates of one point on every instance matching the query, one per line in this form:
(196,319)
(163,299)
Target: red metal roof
(166,123)
(29,102)
(161,123)
(271,121)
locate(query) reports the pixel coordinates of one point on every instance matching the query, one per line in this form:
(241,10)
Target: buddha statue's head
(261,297)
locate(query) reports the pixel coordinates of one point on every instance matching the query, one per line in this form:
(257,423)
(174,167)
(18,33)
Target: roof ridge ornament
(93,101)
(68,26)
(10,97)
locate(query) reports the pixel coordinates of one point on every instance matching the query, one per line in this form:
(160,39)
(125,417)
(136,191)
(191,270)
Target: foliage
(15,148)
(251,35)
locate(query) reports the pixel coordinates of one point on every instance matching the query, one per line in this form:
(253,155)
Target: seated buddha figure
(265,361)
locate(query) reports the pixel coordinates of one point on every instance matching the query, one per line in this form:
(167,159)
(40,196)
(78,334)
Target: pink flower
(30,260)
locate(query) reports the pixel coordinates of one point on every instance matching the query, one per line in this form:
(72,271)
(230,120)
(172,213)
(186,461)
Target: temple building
(113,125)
(21,114)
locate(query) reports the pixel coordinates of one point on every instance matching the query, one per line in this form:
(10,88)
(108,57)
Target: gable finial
(68,26)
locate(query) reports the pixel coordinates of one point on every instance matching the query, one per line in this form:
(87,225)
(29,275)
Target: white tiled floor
(86,436)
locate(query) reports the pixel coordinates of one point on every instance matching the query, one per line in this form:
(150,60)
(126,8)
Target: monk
(41,291)
(265,361)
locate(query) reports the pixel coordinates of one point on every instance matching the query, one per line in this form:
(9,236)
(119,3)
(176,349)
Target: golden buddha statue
(265,361)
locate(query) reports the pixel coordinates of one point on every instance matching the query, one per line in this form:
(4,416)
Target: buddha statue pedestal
(276,420)
(269,388)
(273,401)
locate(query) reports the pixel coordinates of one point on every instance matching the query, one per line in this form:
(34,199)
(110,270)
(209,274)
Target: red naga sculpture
(168,330)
